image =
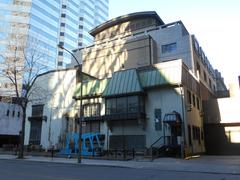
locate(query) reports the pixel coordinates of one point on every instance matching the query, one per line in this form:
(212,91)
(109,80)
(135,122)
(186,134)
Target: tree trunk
(22,134)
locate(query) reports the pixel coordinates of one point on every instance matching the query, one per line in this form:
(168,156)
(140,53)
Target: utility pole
(80,119)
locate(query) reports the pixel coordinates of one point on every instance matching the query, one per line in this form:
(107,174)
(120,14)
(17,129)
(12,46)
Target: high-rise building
(47,23)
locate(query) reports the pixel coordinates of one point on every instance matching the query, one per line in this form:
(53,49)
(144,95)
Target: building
(10,122)
(52,112)
(225,132)
(45,24)
(51,109)
(158,68)
(146,85)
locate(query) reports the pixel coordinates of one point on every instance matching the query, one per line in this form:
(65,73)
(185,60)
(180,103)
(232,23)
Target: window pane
(132,104)
(37,110)
(111,106)
(122,105)
(168,48)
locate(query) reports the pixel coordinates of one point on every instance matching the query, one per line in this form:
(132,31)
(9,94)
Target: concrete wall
(55,92)
(101,61)
(160,99)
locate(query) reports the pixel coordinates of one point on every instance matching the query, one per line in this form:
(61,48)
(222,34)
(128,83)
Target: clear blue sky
(216,24)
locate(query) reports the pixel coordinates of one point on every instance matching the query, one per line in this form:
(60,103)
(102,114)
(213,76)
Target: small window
(158,119)
(79,44)
(198,103)
(80,35)
(61,43)
(198,68)
(60,63)
(80,26)
(205,76)
(18,114)
(81,18)
(61,33)
(189,97)
(169,48)
(210,83)
(63,15)
(193,100)
(60,53)
(13,113)
(64,6)
(62,24)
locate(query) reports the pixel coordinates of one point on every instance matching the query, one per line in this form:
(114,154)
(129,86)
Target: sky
(215,23)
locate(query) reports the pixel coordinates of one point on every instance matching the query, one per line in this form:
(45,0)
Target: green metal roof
(91,88)
(131,81)
(123,82)
(155,77)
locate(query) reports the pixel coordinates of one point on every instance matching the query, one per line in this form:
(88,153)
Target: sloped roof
(156,77)
(133,81)
(123,82)
(92,88)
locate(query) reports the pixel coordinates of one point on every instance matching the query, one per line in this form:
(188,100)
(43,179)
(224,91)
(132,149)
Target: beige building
(148,73)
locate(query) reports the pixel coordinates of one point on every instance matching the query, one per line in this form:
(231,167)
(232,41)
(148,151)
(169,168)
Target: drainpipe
(183,119)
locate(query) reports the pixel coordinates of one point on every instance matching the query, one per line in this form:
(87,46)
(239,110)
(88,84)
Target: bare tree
(21,65)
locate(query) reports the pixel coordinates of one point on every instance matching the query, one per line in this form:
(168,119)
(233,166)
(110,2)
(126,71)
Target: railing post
(133,153)
(151,151)
(93,152)
(124,154)
(116,153)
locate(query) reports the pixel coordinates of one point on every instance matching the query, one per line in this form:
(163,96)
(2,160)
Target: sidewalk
(204,164)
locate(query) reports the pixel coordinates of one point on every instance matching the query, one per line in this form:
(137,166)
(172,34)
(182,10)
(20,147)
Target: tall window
(169,48)
(189,97)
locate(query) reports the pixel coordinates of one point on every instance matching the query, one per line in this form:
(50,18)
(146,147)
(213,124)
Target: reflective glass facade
(65,22)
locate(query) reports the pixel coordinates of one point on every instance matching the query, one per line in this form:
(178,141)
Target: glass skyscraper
(49,23)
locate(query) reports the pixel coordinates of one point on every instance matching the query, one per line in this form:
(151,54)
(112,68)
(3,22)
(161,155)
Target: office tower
(43,24)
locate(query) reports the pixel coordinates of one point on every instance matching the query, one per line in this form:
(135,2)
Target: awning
(123,83)
(91,88)
(154,76)
(172,118)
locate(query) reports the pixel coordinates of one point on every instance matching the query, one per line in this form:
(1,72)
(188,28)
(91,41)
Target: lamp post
(81,109)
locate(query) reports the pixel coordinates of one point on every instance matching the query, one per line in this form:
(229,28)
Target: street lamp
(81,109)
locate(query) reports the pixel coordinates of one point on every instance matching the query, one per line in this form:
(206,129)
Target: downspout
(182,124)
(150,50)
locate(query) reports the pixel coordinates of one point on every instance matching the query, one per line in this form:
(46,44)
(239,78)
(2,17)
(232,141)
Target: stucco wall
(56,94)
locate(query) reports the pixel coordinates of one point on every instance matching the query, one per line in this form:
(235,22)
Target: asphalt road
(26,170)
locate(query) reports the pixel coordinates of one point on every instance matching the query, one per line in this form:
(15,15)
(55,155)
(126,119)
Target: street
(24,170)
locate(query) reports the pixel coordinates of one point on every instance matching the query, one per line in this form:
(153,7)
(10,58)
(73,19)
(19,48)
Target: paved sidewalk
(204,164)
